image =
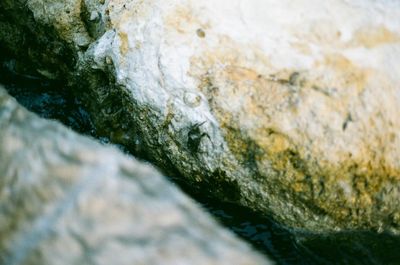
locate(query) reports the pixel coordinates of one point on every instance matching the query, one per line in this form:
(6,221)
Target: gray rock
(286,107)
(65,199)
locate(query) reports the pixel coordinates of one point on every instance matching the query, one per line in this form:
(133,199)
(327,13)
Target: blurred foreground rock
(65,199)
(286,107)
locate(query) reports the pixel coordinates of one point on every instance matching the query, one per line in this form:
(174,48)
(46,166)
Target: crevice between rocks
(46,61)
(51,99)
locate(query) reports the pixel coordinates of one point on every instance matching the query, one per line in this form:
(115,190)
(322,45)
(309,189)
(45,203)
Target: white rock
(301,120)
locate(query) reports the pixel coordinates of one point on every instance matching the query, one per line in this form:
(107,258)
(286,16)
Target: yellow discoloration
(124,45)
(252,101)
(241,95)
(324,36)
(373,37)
(293,127)
(348,74)
(121,12)
(272,142)
(302,47)
(180,19)
(184,21)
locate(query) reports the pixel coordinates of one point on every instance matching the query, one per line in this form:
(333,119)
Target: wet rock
(65,199)
(286,108)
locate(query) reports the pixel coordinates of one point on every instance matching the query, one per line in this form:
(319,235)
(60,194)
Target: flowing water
(50,100)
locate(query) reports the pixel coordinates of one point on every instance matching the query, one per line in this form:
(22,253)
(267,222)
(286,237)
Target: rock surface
(65,199)
(286,107)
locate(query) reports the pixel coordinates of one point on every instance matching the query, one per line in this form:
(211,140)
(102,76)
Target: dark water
(290,248)
(50,100)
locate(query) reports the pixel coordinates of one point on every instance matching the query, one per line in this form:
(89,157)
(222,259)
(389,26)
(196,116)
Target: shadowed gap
(52,100)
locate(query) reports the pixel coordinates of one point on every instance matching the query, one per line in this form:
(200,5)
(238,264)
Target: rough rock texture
(65,199)
(287,107)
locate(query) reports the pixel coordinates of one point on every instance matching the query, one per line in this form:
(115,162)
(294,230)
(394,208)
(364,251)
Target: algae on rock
(288,107)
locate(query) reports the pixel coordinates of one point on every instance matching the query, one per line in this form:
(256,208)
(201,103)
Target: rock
(288,108)
(65,199)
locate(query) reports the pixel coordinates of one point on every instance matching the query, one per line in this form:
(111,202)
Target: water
(51,100)
(288,248)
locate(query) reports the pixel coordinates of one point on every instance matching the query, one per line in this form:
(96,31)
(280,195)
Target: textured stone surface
(287,107)
(65,199)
